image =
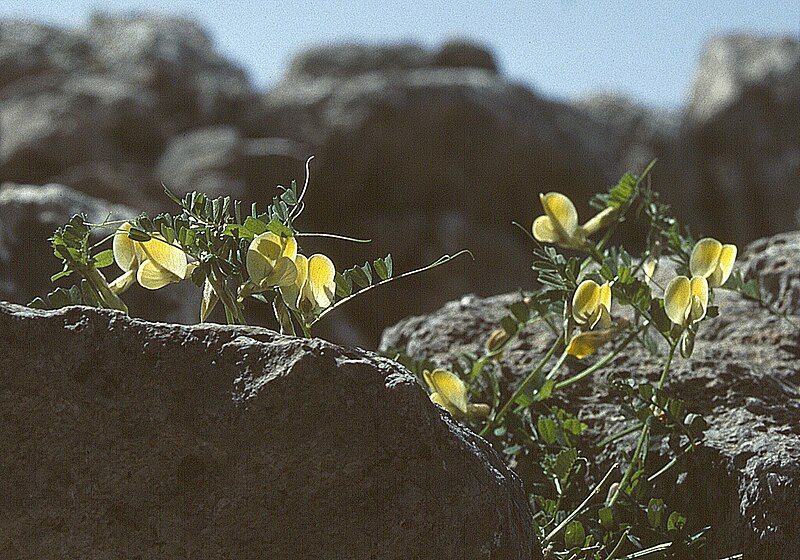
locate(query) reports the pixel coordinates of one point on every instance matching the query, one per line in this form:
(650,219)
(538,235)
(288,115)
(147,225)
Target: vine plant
(231,253)
(582,511)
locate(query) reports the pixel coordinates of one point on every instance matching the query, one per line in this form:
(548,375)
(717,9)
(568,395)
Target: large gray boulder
(745,479)
(407,156)
(742,123)
(109,93)
(123,438)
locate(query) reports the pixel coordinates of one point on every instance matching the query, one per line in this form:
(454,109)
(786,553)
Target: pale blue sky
(565,48)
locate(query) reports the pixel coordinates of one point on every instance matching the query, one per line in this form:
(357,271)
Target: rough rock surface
(744,377)
(143,440)
(28,217)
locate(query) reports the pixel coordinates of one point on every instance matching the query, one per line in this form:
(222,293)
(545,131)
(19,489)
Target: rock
(743,377)
(142,439)
(776,262)
(219,162)
(28,217)
(461,146)
(175,58)
(109,94)
(347,60)
(742,123)
(30,49)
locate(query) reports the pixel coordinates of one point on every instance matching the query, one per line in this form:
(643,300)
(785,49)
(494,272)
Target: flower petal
(585,301)
(151,276)
(258,266)
(436,398)
(605,296)
(699,288)
(321,278)
(269,245)
(677,299)
(291,292)
(124,248)
(586,343)
(544,231)
(450,387)
(705,257)
(561,212)
(725,266)
(284,273)
(166,256)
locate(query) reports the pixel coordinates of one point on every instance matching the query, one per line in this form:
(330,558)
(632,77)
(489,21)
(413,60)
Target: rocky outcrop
(743,121)
(123,437)
(743,377)
(110,93)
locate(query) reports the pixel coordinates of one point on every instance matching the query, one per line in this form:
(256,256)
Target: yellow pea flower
(450,392)
(314,285)
(153,264)
(686,301)
(270,261)
(591,310)
(713,261)
(587,343)
(447,390)
(591,304)
(560,225)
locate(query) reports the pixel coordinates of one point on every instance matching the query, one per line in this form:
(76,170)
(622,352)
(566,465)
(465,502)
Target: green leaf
(520,311)
(509,325)
(574,534)
(655,509)
(563,463)
(676,521)
(546,390)
(58,276)
(139,235)
(381,269)
(547,429)
(344,285)
(277,227)
(104,258)
(606,517)
(254,225)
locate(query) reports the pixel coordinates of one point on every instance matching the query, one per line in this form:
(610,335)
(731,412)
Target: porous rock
(127,438)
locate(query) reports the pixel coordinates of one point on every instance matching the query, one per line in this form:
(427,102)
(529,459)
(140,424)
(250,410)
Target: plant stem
(582,505)
(643,437)
(522,386)
(599,363)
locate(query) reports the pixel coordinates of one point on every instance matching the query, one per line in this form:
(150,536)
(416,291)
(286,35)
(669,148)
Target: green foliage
(578,515)
(209,241)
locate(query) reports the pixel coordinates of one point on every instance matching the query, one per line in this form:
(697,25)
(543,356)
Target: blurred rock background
(425,151)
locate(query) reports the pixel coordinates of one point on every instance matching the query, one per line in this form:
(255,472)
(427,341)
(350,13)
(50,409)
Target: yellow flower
(713,261)
(153,264)
(447,390)
(591,304)
(686,301)
(270,261)
(649,269)
(559,225)
(314,285)
(587,343)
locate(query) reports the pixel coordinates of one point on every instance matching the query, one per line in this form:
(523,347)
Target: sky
(647,50)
